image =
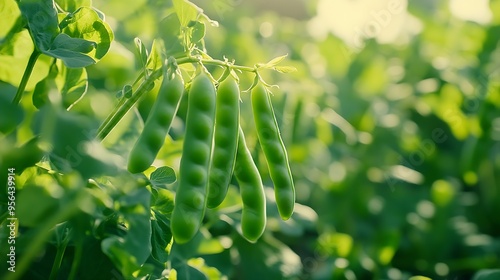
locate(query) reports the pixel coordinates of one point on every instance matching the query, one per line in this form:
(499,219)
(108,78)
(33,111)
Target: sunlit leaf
(275,61)
(186,11)
(72,83)
(86,24)
(142,52)
(198,32)
(9,18)
(169,31)
(285,69)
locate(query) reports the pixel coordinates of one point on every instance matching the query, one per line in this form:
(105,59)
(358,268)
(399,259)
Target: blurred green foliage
(395,152)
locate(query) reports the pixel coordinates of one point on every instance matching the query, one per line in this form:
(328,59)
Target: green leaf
(130,252)
(9,19)
(44,197)
(285,69)
(155,59)
(169,31)
(77,150)
(198,32)
(127,91)
(12,115)
(14,56)
(275,61)
(42,89)
(161,237)
(487,274)
(186,11)
(69,50)
(141,51)
(41,16)
(72,83)
(269,258)
(86,24)
(163,201)
(163,176)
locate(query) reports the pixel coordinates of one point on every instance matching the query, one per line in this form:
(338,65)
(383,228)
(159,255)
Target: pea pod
(227,119)
(274,151)
(157,124)
(190,199)
(253,218)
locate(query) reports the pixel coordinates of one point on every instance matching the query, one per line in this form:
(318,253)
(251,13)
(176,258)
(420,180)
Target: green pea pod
(190,199)
(274,151)
(253,217)
(227,119)
(157,124)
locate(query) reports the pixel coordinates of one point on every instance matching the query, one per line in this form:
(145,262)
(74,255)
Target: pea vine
(126,104)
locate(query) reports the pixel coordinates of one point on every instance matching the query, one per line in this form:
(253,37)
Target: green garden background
(391,122)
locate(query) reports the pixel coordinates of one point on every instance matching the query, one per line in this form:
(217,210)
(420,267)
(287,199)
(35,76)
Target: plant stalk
(126,104)
(61,248)
(26,76)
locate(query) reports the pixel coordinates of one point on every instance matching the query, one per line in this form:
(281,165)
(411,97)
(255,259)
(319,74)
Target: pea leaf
(129,253)
(269,258)
(86,24)
(86,37)
(155,59)
(72,83)
(41,92)
(11,115)
(70,51)
(198,32)
(14,56)
(41,17)
(285,69)
(163,176)
(169,31)
(9,19)
(141,51)
(163,201)
(275,61)
(161,237)
(127,91)
(186,11)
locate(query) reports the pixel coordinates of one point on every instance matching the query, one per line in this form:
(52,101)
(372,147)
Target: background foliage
(394,149)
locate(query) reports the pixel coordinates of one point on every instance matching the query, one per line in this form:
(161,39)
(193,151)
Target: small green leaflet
(163,176)
(142,52)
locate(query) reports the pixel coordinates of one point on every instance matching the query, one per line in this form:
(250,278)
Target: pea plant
(87,207)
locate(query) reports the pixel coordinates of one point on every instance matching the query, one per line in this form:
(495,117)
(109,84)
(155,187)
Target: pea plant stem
(76,260)
(127,103)
(26,76)
(61,248)
(124,106)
